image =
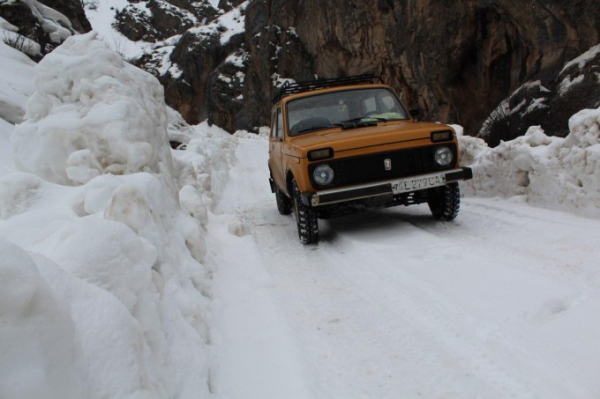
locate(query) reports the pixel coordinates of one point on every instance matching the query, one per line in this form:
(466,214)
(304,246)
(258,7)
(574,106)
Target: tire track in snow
(410,323)
(371,326)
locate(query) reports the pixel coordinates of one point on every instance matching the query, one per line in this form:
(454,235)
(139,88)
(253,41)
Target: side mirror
(415,113)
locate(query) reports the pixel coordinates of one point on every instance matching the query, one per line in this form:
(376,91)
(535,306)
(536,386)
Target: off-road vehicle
(338,145)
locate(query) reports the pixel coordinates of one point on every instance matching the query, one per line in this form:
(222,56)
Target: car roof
(310,93)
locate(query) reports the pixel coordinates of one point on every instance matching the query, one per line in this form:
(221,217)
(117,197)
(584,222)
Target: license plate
(418,183)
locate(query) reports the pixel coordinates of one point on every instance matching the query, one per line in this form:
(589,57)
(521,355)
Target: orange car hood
(350,139)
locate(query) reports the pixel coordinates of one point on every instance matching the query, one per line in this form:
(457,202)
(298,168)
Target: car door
(276,148)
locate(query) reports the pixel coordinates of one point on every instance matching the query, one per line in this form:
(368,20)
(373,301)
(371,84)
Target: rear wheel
(306,218)
(284,203)
(444,201)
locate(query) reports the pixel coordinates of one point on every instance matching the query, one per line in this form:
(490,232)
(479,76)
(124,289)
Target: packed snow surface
(500,303)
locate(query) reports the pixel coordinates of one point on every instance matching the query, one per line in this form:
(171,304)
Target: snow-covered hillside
(130,270)
(103,17)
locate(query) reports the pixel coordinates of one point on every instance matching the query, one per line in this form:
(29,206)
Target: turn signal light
(445,135)
(317,155)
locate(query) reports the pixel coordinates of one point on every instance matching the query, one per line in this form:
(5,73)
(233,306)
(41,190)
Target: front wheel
(306,218)
(444,202)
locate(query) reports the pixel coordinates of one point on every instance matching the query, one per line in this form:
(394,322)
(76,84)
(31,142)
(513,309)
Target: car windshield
(340,108)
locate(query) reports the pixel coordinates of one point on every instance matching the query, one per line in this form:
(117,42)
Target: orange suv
(341,145)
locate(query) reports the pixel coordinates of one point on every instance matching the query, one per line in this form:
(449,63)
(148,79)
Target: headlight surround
(443,156)
(323,175)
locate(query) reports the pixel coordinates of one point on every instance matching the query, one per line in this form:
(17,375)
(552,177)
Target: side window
(274,125)
(279,124)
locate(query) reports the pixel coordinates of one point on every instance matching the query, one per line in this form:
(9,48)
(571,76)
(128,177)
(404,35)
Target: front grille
(370,168)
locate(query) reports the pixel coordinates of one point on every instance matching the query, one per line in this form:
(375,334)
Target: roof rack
(300,87)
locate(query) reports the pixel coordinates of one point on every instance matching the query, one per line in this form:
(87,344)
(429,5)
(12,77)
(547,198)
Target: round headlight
(323,175)
(444,156)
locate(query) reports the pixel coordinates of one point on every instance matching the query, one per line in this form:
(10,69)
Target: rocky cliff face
(203,70)
(549,104)
(156,20)
(471,62)
(456,61)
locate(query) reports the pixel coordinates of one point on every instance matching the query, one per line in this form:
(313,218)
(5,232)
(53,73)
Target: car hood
(351,139)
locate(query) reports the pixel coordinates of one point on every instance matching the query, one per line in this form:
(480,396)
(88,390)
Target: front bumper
(334,196)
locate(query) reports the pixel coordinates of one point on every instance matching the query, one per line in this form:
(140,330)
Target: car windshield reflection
(345,109)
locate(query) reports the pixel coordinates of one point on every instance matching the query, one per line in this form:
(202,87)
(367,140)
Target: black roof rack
(300,87)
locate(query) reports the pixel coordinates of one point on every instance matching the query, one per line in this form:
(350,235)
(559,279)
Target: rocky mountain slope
(455,61)
(469,62)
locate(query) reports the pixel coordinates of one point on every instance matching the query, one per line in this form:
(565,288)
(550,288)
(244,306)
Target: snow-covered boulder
(550,104)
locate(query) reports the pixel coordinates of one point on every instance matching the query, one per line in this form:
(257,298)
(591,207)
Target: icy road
(503,302)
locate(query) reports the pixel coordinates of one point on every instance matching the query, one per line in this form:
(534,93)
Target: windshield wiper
(356,120)
(320,127)
(360,122)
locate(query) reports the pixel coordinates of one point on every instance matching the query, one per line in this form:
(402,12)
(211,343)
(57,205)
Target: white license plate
(418,183)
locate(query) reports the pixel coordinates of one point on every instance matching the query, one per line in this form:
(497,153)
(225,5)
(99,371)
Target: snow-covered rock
(549,105)
(39,26)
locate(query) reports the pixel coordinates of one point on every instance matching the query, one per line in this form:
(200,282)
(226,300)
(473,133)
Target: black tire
(444,202)
(284,203)
(306,218)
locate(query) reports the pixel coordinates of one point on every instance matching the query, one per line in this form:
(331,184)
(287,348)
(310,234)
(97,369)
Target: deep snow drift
(116,295)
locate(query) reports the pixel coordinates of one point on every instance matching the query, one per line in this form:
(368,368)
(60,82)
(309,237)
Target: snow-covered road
(504,302)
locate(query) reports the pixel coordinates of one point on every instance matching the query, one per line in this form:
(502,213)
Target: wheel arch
(289,178)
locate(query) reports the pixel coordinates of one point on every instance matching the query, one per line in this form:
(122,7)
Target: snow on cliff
(103,293)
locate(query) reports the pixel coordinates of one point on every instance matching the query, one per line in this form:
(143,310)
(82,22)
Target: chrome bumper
(334,196)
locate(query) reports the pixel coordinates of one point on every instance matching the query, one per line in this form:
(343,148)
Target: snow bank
(16,85)
(6,164)
(207,161)
(39,353)
(550,172)
(102,116)
(99,215)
